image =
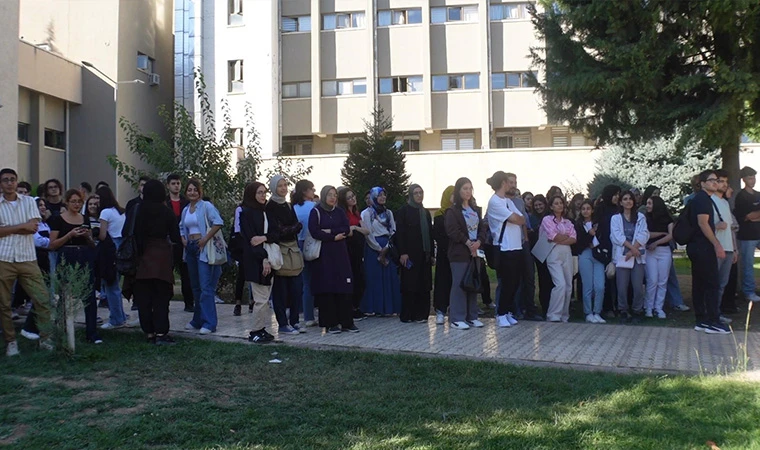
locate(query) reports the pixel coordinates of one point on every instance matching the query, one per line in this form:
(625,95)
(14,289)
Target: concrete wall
(9,12)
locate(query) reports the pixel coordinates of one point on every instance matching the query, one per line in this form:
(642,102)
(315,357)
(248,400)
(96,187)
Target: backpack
(683,230)
(126,255)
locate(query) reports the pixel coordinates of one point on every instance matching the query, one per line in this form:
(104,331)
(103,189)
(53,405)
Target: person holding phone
(414,239)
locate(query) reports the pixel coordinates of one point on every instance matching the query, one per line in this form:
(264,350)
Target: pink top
(552,228)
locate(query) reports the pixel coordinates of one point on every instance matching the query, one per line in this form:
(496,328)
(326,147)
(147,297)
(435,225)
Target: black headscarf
(151,207)
(424,226)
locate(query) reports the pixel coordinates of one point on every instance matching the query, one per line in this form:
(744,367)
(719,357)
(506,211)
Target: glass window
(345,87)
(526,79)
(289,24)
(414,84)
(386,85)
(511,11)
(498,81)
(472,81)
(497,12)
(289,90)
(440,83)
(455,14)
(329,88)
(513,80)
(455,82)
(23,132)
(304,89)
(399,17)
(360,86)
(437,15)
(357,20)
(383,18)
(342,21)
(304,23)
(328,22)
(414,16)
(470,13)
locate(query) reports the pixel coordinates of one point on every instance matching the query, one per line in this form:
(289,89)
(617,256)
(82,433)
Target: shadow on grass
(202,394)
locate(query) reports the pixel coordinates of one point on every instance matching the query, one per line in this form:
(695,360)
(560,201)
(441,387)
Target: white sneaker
(218,300)
(190,326)
(512,320)
(11,349)
(648,313)
(29,335)
(476,323)
(599,319)
(753,297)
(661,314)
(502,321)
(460,325)
(590,318)
(681,307)
(110,326)
(205,330)
(439,319)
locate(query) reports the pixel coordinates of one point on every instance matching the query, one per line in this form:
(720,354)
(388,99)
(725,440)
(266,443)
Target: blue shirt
(302,212)
(472,221)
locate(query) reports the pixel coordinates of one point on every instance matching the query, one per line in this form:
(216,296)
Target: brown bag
(292,260)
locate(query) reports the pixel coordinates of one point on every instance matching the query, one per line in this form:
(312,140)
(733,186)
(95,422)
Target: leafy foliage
(661,163)
(638,70)
(374,160)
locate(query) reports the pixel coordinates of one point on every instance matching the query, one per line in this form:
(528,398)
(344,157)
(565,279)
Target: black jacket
(182,203)
(252,224)
(283,217)
(408,239)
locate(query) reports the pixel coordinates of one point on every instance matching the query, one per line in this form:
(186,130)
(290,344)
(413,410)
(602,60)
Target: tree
(375,160)
(633,70)
(660,162)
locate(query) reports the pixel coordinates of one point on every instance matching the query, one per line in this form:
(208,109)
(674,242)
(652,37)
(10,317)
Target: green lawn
(202,394)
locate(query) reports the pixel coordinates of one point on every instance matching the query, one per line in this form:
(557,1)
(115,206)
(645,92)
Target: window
(518,138)
(235,137)
(457,140)
(23,132)
(296,90)
(577,141)
(399,17)
(295,24)
(145,63)
(409,142)
(509,11)
(55,139)
(400,84)
(297,145)
(512,80)
(344,87)
(342,144)
(235,76)
(454,14)
(455,82)
(235,12)
(343,20)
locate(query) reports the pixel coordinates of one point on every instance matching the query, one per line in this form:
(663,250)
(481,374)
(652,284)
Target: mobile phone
(408,264)
(481,253)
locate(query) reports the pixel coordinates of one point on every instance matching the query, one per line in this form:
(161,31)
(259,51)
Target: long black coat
(409,242)
(252,224)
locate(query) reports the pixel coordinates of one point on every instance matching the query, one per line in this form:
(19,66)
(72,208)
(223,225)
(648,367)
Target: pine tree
(375,160)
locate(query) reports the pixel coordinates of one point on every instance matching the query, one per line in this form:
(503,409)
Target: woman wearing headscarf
(257,227)
(443,270)
(347,201)
(155,230)
(287,292)
(331,277)
(382,295)
(414,239)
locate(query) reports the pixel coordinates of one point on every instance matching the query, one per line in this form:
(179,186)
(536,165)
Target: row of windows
(53,138)
(410,16)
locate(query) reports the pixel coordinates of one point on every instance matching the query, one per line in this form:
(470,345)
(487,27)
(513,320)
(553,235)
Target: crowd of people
(348,262)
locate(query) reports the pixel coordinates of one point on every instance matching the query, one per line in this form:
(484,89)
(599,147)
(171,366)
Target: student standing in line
(545,284)
(747,210)
(590,269)
(659,258)
(111,223)
(302,200)
(603,212)
(177,202)
(347,200)
(629,235)
(724,224)
(54,196)
(443,269)
(559,230)
(383,293)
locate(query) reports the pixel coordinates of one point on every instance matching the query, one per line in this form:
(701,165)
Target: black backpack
(126,255)
(683,230)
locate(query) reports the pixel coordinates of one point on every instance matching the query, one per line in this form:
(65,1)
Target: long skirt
(382,294)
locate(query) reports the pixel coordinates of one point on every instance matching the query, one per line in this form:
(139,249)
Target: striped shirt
(17,247)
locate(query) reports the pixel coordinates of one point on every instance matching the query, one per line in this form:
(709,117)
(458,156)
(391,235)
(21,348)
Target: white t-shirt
(724,236)
(115,221)
(499,210)
(191,222)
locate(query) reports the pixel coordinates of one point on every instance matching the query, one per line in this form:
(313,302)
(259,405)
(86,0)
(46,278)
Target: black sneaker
(359,315)
(266,333)
(334,330)
(351,329)
(261,337)
(717,328)
(250,308)
(164,340)
(237,311)
(701,326)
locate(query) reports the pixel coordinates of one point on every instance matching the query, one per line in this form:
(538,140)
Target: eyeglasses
(8,180)
(711,179)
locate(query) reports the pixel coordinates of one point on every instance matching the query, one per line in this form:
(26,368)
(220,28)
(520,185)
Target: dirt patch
(126,411)
(18,433)
(34,382)
(90,395)
(172,392)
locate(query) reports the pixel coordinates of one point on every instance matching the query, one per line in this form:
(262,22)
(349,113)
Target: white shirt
(115,221)
(376,228)
(18,247)
(191,222)
(724,236)
(499,210)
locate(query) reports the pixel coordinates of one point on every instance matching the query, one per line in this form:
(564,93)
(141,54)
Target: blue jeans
(592,279)
(203,279)
(724,272)
(746,263)
(308,298)
(113,295)
(673,295)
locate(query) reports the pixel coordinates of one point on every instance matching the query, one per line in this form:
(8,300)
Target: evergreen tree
(375,160)
(636,70)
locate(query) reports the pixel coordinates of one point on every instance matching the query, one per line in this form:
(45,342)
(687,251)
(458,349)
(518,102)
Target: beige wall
(452,110)
(454,48)
(296,117)
(344,54)
(400,50)
(344,115)
(8,87)
(404,110)
(296,57)
(48,73)
(510,45)
(516,108)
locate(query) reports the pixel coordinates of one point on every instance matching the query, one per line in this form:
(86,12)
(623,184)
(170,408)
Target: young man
(177,202)
(19,217)
(724,231)
(24,188)
(704,251)
(54,196)
(747,210)
(140,183)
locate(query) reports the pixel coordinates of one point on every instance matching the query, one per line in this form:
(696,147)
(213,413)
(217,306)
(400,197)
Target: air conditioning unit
(155,79)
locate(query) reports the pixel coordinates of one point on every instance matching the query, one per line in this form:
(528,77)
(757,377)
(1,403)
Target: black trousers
(415,306)
(526,301)
(511,272)
(287,295)
(704,281)
(334,310)
(239,283)
(152,298)
(728,302)
(184,276)
(545,285)
(442,287)
(486,294)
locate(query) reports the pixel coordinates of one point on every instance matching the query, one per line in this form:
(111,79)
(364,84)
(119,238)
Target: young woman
(155,230)
(200,222)
(591,270)
(71,236)
(257,227)
(414,239)
(466,232)
(603,212)
(111,217)
(574,212)
(287,291)
(561,232)
(443,269)
(554,191)
(332,279)
(629,235)
(545,284)
(383,291)
(658,255)
(302,200)
(237,254)
(356,241)
(92,215)
(527,198)
(649,192)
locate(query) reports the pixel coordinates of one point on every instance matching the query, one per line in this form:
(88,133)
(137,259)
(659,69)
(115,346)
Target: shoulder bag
(216,248)
(311,246)
(126,255)
(274,256)
(471,281)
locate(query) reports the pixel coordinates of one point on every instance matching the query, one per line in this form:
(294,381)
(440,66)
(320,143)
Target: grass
(204,394)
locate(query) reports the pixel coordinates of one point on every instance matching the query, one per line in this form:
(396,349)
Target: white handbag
(312,247)
(216,248)
(274,255)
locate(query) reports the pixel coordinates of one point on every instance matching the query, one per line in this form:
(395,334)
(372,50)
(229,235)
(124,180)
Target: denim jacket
(211,214)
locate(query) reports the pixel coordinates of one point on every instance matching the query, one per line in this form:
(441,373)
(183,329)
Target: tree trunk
(729,153)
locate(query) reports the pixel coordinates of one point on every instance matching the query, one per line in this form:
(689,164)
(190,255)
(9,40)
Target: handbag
(393,254)
(493,250)
(216,248)
(312,247)
(601,254)
(127,257)
(292,259)
(471,281)
(274,256)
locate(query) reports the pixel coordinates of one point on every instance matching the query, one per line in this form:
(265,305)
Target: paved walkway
(581,345)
